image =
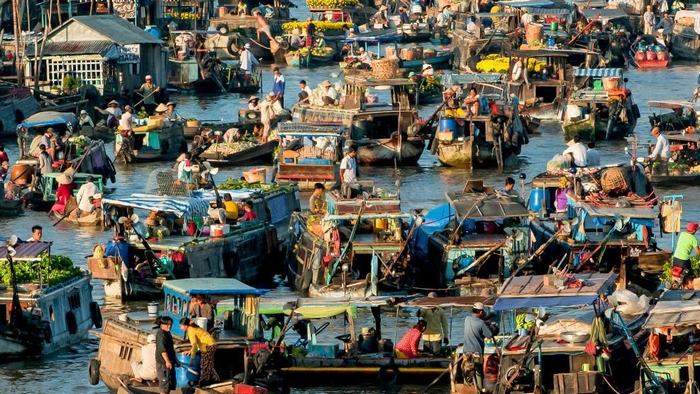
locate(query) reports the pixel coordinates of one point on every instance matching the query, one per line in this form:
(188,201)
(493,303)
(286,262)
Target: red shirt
(249,216)
(408,345)
(4,157)
(63,193)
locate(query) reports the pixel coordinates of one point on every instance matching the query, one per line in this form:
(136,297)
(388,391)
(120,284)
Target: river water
(423,186)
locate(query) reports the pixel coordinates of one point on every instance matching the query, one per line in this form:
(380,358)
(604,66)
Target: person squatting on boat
(145,370)
(577,152)
(476,330)
(202,342)
(408,344)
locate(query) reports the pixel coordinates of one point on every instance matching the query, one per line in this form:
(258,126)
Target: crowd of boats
(569,271)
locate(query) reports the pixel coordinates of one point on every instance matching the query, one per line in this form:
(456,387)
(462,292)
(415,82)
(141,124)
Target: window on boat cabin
(52,315)
(375,127)
(546,93)
(74,299)
(125,352)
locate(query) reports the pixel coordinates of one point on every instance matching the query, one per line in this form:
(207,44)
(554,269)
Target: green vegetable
(666,276)
(54,270)
(521,322)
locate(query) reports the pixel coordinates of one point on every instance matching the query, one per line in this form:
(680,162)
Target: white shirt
(247,60)
(307,89)
(593,157)
(146,369)
(579,151)
(125,121)
(84,194)
(471,27)
(116,111)
(662,148)
(269,110)
(349,164)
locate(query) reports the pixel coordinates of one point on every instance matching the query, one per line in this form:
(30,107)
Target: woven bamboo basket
(384,68)
(614,180)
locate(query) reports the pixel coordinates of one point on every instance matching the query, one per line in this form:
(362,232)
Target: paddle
(65,215)
(146,96)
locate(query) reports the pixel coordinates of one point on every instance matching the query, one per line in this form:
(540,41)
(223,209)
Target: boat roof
(26,250)
(372,82)
(466,79)
(309,129)
(677,136)
(670,104)
(167,204)
(598,72)
(675,308)
(309,310)
(604,13)
(488,206)
(48,118)
(530,291)
(211,286)
(627,212)
(545,52)
(358,39)
(526,3)
(453,302)
(548,11)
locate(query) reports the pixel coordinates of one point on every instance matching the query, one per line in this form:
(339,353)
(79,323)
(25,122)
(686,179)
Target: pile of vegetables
(321,26)
(666,276)
(535,65)
(229,148)
(239,184)
(79,141)
(493,64)
(316,51)
(54,270)
(430,84)
(315,4)
(523,323)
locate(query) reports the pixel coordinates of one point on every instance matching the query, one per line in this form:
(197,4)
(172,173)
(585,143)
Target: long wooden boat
(259,153)
(443,59)
(10,208)
(298,59)
(94,219)
(159,144)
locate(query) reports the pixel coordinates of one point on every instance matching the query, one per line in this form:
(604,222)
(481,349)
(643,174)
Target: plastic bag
(558,162)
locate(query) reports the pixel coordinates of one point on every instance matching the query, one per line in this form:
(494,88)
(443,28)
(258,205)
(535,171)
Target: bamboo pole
(17,32)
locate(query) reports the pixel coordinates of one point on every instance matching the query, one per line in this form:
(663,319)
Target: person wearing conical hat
(64,191)
(171,113)
(148,91)
(161,109)
(254,103)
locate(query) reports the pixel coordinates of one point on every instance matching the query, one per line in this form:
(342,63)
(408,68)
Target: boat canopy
(48,118)
(373,82)
(466,79)
(671,104)
(178,206)
(321,310)
(598,72)
(530,292)
(604,14)
(296,129)
(526,3)
(461,302)
(361,40)
(685,14)
(211,286)
(680,137)
(547,11)
(26,251)
(487,206)
(675,308)
(611,212)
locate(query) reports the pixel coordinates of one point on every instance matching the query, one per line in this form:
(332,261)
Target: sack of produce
(558,162)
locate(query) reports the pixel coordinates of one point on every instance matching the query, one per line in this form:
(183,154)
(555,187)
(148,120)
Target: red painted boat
(649,53)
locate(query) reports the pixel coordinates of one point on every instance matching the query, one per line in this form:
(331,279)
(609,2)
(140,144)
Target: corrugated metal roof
(113,27)
(598,72)
(486,205)
(26,250)
(73,48)
(212,286)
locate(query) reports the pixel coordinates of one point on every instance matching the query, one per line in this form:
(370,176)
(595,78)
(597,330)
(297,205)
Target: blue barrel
(447,124)
(187,374)
(551,41)
(536,200)
(154,30)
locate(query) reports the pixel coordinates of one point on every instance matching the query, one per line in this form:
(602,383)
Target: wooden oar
(65,215)
(145,97)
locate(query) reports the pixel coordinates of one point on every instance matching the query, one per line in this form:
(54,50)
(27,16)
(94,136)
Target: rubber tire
(231,48)
(71,323)
(94,371)
(388,379)
(96,314)
(222,28)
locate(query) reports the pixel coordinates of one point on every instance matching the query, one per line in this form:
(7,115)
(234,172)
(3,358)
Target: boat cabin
(478,249)
(600,106)
(682,115)
(542,90)
(56,310)
(310,154)
(545,323)
(176,239)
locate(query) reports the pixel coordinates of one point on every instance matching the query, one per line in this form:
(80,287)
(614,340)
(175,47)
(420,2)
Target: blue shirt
(278,85)
(118,249)
(475,331)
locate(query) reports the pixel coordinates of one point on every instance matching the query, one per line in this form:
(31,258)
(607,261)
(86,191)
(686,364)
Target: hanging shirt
(84,197)
(662,149)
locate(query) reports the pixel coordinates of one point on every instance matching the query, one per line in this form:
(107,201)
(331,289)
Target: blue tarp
(510,303)
(178,206)
(598,72)
(211,286)
(527,3)
(435,220)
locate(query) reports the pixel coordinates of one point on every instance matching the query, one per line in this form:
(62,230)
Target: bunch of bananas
(183,15)
(493,64)
(317,51)
(315,4)
(321,26)
(535,65)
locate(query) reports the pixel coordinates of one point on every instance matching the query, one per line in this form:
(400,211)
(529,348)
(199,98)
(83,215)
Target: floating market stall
(309,155)
(683,166)
(681,117)
(600,106)
(155,138)
(685,40)
(247,150)
(649,53)
(49,289)
(235,305)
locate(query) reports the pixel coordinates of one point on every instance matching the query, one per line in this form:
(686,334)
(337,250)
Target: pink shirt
(408,345)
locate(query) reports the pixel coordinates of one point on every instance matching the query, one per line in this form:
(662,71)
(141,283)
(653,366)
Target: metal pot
(574,336)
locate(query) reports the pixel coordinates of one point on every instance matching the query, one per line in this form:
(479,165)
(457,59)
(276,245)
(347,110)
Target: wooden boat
(685,40)
(45,198)
(10,208)
(382,132)
(649,53)
(681,116)
(442,59)
(237,340)
(682,168)
(600,113)
(246,251)
(440,41)
(61,313)
(307,165)
(379,238)
(93,219)
(301,58)
(220,154)
(99,132)
(158,143)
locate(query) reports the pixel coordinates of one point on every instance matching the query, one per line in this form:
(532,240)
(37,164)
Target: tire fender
(388,374)
(94,371)
(96,314)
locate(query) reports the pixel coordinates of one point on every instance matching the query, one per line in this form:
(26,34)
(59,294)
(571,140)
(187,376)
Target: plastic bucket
(187,374)
(202,322)
(536,200)
(554,26)
(551,41)
(447,124)
(153,309)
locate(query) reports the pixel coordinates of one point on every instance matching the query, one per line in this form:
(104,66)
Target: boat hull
(258,154)
(386,151)
(438,62)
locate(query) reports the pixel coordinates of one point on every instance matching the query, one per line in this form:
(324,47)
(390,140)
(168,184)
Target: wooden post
(622,280)
(17,32)
(691,373)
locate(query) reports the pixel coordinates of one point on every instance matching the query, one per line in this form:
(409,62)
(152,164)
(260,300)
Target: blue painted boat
(441,60)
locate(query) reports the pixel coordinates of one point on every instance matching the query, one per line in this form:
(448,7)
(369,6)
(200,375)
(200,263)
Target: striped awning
(464,79)
(179,207)
(547,11)
(598,72)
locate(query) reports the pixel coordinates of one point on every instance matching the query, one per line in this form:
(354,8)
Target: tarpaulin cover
(178,206)
(435,220)
(48,118)
(272,307)
(527,3)
(211,286)
(26,250)
(598,72)
(504,304)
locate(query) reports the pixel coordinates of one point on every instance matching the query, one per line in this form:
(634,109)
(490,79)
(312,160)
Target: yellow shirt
(231,209)
(455,113)
(200,339)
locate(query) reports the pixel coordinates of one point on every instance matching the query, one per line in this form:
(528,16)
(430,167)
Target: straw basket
(384,68)
(614,180)
(611,83)
(256,175)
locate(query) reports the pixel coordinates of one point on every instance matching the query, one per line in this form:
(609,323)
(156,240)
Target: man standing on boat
(348,173)
(475,332)
(278,85)
(686,245)
(662,150)
(165,355)
(436,330)
(648,21)
(247,63)
(148,91)
(665,25)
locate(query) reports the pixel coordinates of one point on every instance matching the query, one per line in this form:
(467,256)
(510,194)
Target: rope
(259,44)
(612,387)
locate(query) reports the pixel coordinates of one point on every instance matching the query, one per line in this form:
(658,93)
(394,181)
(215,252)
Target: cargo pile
(331,4)
(321,26)
(230,148)
(53,270)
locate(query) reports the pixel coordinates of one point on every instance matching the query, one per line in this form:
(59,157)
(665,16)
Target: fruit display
(321,26)
(238,184)
(333,4)
(430,84)
(315,51)
(185,16)
(229,148)
(493,64)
